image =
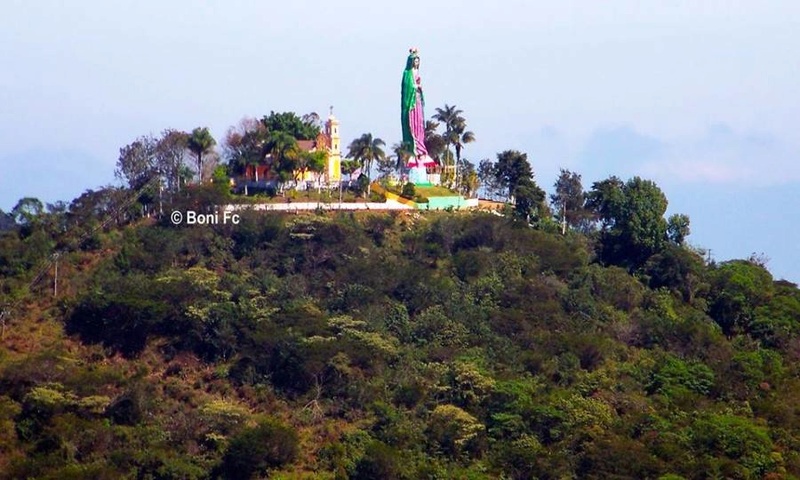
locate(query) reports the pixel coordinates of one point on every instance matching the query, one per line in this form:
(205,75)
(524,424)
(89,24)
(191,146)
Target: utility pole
(3,315)
(55,277)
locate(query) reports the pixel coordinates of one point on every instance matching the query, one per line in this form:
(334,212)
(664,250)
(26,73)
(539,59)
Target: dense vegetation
(443,345)
(578,337)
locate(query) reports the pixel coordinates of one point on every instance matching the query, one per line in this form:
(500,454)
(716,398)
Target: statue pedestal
(419,176)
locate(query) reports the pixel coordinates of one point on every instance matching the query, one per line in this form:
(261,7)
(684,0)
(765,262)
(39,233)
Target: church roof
(322,141)
(306,145)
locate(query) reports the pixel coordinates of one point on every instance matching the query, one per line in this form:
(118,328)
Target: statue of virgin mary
(412,117)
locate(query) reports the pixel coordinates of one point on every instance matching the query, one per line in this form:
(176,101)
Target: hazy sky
(701,97)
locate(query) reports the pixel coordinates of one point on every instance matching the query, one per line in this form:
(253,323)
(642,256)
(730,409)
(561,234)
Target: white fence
(305,206)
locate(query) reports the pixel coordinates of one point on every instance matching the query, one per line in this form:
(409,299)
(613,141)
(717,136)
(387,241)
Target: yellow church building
(328,140)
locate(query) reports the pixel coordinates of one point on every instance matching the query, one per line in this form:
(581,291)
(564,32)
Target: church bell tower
(334,167)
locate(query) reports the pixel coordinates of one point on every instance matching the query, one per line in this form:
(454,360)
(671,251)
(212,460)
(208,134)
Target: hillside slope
(392,346)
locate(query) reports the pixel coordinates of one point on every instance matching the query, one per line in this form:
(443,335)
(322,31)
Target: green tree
(284,154)
(380,461)
(674,377)
(454,430)
(468,181)
(461,137)
(221,181)
(386,166)
(632,219)
(245,144)
(170,157)
(738,287)
(201,143)
(679,269)
(349,167)
(259,449)
(434,142)
(409,190)
(401,154)
(312,119)
(366,149)
(137,166)
(6,221)
(27,211)
(456,133)
(449,116)
(488,178)
(529,201)
(305,128)
(510,170)
(739,439)
(568,200)
(605,201)
(778,321)
(137,162)
(512,174)
(311,162)
(91,207)
(678,228)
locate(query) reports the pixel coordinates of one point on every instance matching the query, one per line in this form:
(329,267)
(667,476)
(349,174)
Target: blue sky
(700,97)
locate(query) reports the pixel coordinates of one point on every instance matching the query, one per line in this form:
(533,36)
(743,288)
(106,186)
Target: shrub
(344,455)
(736,438)
(222,416)
(268,445)
(454,429)
(409,190)
(122,317)
(127,409)
(380,461)
(377,197)
(361,185)
(674,376)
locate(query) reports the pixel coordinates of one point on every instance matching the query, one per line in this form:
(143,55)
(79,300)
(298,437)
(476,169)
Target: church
(328,140)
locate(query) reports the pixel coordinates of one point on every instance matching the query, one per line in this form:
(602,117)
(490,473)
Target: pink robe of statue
(416,118)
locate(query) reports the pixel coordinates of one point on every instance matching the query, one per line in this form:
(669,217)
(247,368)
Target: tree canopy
(365,150)
(288,122)
(201,142)
(632,218)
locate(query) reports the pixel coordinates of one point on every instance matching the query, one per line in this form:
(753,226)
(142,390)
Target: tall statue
(412,102)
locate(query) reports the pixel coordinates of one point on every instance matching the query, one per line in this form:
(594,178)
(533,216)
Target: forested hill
(389,346)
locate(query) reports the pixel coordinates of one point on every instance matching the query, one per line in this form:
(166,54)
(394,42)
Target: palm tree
(449,116)
(201,142)
(456,132)
(401,154)
(283,149)
(349,167)
(365,150)
(461,138)
(469,180)
(434,142)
